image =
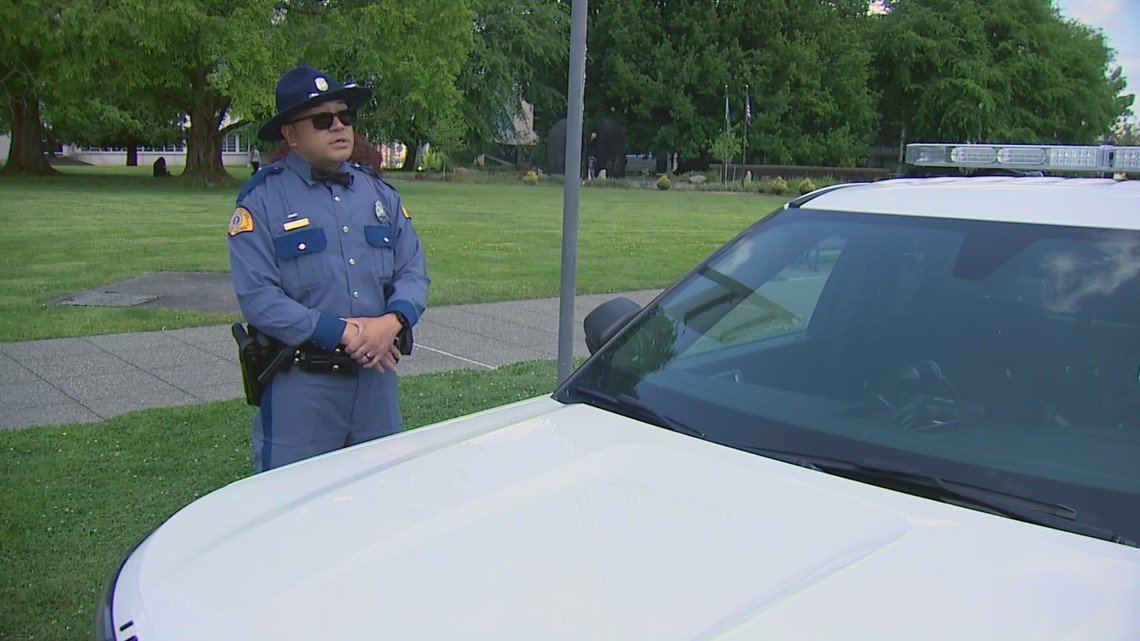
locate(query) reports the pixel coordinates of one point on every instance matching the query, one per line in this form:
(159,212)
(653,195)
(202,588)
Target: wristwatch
(403,321)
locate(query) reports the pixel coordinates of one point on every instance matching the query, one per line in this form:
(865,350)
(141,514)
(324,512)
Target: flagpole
(724,168)
(726,107)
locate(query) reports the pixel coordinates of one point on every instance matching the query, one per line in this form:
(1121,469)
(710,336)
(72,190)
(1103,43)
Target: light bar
(1127,159)
(1102,158)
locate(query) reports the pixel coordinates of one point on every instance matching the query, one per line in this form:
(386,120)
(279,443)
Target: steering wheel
(919,397)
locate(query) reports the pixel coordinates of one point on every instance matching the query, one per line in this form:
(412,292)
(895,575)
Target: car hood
(549,521)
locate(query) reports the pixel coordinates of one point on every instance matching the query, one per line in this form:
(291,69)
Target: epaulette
(368,169)
(257,179)
(372,171)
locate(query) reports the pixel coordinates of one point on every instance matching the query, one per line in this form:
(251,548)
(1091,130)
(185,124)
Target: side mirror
(606,320)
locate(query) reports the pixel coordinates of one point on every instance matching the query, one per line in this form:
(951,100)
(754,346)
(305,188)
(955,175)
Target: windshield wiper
(787,457)
(1014,506)
(625,404)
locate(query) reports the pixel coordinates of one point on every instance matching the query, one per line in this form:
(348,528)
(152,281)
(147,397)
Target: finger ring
(368,354)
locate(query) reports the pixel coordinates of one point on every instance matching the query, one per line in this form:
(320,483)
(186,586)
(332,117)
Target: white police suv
(900,410)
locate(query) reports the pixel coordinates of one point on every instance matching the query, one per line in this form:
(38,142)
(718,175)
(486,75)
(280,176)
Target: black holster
(261,356)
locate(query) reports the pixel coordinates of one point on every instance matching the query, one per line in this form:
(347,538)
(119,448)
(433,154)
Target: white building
(235,152)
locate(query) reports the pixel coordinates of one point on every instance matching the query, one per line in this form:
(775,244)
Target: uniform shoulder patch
(405,212)
(258,178)
(241,221)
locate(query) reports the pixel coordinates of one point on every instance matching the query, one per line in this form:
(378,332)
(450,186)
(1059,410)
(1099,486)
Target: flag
(748,106)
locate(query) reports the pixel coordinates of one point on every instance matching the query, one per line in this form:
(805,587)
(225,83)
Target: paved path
(88,379)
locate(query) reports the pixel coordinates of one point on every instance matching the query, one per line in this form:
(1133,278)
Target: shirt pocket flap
(380,236)
(299,243)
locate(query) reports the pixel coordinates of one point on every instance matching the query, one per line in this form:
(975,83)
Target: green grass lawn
(77,497)
(97,225)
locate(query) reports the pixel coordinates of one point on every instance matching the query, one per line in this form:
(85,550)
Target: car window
(779,306)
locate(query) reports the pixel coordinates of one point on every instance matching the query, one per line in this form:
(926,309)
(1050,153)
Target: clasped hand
(371,341)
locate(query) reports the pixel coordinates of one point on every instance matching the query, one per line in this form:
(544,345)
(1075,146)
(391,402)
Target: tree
(410,53)
(1127,133)
(102,117)
(809,67)
(999,70)
(725,148)
(29,46)
(517,47)
(660,69)
(208,60)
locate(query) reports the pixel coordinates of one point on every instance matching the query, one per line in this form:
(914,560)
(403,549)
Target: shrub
(433,160)
(611,183)
(806,186)
(531,178)
(663,183)
(779,185)
(825,181)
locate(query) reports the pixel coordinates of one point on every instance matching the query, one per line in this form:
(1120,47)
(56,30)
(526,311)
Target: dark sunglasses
(324,120)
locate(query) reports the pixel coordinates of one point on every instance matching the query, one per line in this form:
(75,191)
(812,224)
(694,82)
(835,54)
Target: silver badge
(381,213)
(321,83)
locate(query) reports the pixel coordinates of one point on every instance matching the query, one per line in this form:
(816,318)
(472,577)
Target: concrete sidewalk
(89,379)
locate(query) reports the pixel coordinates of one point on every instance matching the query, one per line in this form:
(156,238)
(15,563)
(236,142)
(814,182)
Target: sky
(1120,22)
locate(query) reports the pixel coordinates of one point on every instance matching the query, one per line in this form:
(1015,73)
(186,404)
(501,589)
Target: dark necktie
(341,177)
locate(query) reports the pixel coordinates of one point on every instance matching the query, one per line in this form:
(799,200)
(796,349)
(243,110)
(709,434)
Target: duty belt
(317,360)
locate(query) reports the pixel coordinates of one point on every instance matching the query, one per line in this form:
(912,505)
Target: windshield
(1002,355)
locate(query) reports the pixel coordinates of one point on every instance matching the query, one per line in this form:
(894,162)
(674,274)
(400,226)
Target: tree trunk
(204,144)
(132,155)
(412,157)
(26,154)
(902,144)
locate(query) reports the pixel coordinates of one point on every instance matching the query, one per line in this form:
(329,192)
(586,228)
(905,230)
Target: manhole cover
(108,299)
(198,291)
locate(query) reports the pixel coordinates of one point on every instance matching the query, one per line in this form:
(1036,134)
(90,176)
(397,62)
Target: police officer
(324,258)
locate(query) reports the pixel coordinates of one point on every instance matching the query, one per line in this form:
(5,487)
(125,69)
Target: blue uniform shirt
(305,254)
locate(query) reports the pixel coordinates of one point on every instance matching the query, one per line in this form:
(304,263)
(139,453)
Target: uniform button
(386,239)
(301,246)
(356,294)
(344,229)
(336,198)
(351,261)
